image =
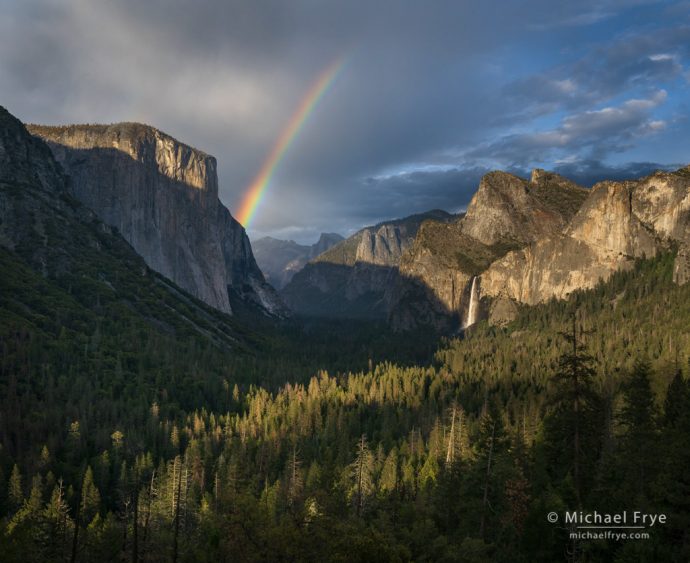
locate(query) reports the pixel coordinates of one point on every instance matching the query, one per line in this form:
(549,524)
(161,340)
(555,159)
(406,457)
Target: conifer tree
(390,473)
(490,445)
(638,417)
(294,478)
(15,495)
(362,470)
(573,427)
(673,483)
(59,523)
(676,402)
(90,497)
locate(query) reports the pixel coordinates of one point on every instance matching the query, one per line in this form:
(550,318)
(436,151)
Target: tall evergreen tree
(90,497)
(673,483)
(638,418)
(572,429)
(362,469)
(15,495)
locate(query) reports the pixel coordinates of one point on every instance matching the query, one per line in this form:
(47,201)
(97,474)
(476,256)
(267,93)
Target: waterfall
(471,316)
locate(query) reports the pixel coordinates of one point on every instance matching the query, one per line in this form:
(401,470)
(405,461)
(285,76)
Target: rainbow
(257,188)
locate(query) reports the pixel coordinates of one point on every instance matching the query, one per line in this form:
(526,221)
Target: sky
(430,96)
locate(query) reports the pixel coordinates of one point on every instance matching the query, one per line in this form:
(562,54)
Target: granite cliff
(352,278)
(529,241)
(162,195)
(66,271)
(280,260)
(618,223)
(506,213)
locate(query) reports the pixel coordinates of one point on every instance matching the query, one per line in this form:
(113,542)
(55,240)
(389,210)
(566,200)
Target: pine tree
(294,478)
(45,457)
(639,419)
(673,483)
(362,470)
(151,493)
(677,401)
(456,438)
(59,523)
(490,440)
(15,495)
(90,497)
(390,474)
(176,503)
(572,430)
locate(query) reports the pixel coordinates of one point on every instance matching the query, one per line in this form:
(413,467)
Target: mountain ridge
(162,195)
(528,241)
(351,278)
(505,213)
(619,223)
(280,260)
(82,266)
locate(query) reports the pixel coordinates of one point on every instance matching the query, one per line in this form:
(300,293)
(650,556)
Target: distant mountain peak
(280,260)
(352,277)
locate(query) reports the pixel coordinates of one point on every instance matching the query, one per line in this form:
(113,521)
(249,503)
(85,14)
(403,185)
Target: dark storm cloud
(589,172)
(411,192)
(431,95)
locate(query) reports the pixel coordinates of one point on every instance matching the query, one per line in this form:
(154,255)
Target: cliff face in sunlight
(619,222)
(66,272)
(505,214)
(162,196)
(530,241)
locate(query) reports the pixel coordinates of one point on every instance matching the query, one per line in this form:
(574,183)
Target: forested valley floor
(343,441)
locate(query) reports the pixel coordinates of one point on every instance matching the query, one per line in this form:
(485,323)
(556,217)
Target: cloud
(460,86)
(627,63)
(589,172)
(420,190)
(599,132)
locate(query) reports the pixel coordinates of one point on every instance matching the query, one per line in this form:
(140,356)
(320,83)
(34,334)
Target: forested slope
(460,460)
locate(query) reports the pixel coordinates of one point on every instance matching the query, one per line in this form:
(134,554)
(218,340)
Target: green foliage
(15,496)
(170,445)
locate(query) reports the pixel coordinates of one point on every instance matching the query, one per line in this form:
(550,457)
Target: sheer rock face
(505,214)
(507,208)
(163,197)
(434,282)
(619,222)
(383,246)
(88,267)
(326,241)
(352,279)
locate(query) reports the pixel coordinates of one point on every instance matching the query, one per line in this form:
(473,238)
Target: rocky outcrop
(505,214)
(532,241)
(352,278)
(31,182)
(501,311)
(510,210)
(384,245)
(326,241)
(619,222)
(65,269)
(433,286)
(280,260)
(162,196)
